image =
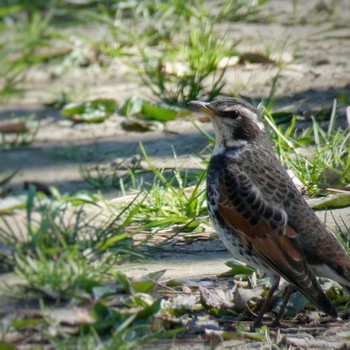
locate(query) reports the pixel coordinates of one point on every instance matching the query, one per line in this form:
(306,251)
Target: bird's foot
(276,324)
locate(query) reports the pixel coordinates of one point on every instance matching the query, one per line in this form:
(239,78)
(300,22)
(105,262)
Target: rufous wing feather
(264,227)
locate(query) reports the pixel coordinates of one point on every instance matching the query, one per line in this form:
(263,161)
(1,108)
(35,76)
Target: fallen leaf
(238,269)
(242,296)
(13,127)
(182,302)
(159,113)
(137,107)
(95,111)
(142,286)
(137,125)
(334,201)
(210,298)
(255,57)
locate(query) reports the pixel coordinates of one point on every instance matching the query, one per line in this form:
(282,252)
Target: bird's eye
(233,114)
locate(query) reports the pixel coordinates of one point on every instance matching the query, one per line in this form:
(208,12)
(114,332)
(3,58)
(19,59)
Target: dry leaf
(13,127)
(210,298)
(255,57)
(137,125)
(242,296)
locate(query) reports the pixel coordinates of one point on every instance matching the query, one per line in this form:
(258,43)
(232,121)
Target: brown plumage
(258,212)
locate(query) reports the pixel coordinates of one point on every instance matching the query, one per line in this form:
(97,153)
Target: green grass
(179,50)
(177,200)
(28,37)
(30,32)
(68,258)
(242,10)
(167,35)
(119,174)
(58,228)
(64,255)
(316,156)
(186,68)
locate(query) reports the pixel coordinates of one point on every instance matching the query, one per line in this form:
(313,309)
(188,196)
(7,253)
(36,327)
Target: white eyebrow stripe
(252,115)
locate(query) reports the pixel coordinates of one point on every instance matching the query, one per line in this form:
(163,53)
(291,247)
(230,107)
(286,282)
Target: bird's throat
(223,145)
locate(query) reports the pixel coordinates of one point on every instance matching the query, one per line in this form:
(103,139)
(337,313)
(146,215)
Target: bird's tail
(313,291)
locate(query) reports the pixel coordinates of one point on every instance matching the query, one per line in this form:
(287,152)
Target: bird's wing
(264,226)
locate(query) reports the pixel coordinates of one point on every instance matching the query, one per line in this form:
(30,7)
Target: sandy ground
(316,70)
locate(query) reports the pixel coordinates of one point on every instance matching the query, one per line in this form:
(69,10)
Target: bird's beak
(203,106)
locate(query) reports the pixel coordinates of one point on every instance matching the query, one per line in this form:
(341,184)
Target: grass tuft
(176,201)
(187,67)
(318,157)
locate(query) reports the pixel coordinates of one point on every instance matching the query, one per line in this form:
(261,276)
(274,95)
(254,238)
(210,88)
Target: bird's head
(235,122)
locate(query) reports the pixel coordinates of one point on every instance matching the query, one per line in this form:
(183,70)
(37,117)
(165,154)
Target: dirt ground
(316,70)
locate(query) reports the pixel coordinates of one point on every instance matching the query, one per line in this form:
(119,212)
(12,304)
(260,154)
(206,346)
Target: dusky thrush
(259,213)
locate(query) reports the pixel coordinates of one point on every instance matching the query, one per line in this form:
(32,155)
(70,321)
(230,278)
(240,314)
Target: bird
(260,215)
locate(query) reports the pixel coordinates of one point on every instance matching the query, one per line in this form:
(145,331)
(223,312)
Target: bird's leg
(275,282)
(289,292)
